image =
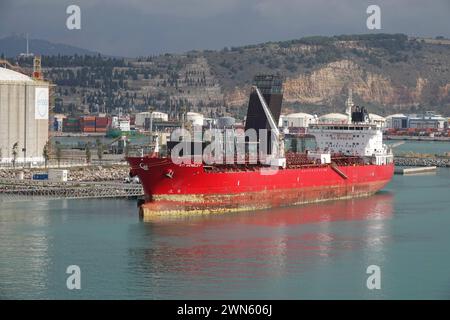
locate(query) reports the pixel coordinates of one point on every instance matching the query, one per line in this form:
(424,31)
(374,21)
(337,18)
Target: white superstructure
(124,125)
(352,139)
(355,136)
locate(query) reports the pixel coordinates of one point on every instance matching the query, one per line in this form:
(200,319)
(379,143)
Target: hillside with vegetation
(388,73)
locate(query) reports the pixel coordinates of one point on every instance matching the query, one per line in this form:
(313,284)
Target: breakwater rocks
(79,174)
(116,173)
(421,162)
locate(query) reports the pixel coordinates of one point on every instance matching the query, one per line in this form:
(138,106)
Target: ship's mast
(349,105)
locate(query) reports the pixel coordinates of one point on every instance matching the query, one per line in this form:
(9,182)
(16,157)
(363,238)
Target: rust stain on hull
(202,204)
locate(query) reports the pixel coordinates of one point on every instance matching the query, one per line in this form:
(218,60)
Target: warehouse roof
(10,75)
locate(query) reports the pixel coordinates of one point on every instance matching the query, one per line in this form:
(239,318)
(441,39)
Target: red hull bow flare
(174,189)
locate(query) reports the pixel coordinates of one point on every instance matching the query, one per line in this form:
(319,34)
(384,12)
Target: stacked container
(71,125)
(101,124)
(87,124)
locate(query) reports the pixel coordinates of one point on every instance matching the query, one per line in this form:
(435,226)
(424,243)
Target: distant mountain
(12,46)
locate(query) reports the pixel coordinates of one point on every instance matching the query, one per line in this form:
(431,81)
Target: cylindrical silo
(225,122)
(24,109)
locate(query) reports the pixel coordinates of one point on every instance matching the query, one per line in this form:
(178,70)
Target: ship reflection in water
(235,251)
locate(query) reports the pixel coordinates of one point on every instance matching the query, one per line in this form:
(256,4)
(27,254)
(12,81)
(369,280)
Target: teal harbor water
(430,147)
(317,251)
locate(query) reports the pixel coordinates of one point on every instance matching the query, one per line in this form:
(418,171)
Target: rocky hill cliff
(388,72)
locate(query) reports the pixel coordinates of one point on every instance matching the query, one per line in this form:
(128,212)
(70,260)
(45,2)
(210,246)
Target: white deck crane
(278,158)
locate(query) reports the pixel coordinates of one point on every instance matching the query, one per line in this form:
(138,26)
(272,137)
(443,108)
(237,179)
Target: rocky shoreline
(422,162)
(79,174)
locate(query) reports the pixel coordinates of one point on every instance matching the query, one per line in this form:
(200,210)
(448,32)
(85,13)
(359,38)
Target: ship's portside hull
(180,190)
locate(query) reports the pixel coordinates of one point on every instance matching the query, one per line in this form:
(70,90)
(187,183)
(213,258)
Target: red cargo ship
(350,161)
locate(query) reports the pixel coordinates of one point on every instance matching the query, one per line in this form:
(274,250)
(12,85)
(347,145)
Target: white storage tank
(195,118)
(24,117)
(298,120)
(225,122)
(156,115)
(333,118)
(375,118)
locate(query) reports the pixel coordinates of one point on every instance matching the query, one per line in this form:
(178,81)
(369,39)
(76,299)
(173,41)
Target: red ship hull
(173,189)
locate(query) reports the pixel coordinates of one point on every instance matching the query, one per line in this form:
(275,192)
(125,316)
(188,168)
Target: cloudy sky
(143,27)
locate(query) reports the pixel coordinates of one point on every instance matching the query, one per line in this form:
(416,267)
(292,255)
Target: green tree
(58,153)
(46,153)
(88,152)
(15,153)
(99,149)
(127,148)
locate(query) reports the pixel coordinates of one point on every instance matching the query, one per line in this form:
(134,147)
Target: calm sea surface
(431,147)
(313,251)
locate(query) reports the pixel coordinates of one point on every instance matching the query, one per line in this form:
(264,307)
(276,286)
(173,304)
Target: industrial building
(24,114)
(397,121)
(428,120)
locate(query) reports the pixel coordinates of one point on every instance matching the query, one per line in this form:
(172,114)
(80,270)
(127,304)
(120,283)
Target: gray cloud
(142,27)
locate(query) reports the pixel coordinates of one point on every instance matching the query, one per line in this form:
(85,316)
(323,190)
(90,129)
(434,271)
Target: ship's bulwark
(193,189)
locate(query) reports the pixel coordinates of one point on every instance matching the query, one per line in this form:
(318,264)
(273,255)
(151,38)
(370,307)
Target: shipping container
(88,118)
(102,124)
(71,125)
(101,121)
(71,119)
(87,124)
